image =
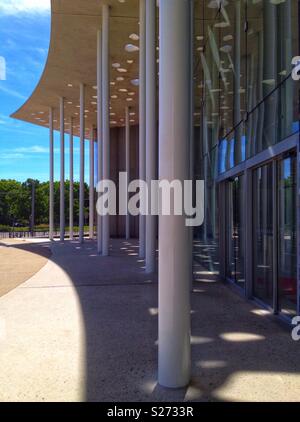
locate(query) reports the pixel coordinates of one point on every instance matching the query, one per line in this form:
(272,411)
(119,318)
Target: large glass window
(251,45)
(235,227)
(287,243)
(263,233)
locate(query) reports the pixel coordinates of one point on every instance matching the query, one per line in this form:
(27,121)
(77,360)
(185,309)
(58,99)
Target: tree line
(16,202)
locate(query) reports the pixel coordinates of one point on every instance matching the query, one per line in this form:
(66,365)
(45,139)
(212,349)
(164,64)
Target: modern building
(184,89)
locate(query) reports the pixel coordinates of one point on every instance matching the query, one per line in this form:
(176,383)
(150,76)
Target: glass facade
(263,235)
(246,102)
(287,235)
(235,233)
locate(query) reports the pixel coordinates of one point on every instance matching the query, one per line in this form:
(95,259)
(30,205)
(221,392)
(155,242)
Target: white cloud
(12,92)
(11,156)
(38,149)
(35,149)
(14,7)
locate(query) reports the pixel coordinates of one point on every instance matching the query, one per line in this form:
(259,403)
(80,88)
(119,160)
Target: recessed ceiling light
(131,94)
(120,78)
(116,65)
(121,70)
(70,85)
(129,61)
(129,99)
(132,113)
(122,90)
(114,97)
(112,83)
(226,48)
(135,82)
(134,37)
(131,48)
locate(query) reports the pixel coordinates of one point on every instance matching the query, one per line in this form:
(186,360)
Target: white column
(127,159)
(51,181)
(237,84)
(142,118)
(105,120)
(269,73)
(99,132)
(62,169)
(151,129)
(174,260)
(92,187)
(81,188)
(192,125)
(71,198)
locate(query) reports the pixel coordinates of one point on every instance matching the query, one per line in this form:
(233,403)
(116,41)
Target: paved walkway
(85,328)
(20,260)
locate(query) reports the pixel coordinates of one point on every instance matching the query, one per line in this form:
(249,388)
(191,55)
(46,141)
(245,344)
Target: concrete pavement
(85,328)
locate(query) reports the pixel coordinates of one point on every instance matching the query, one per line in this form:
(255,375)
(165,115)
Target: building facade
(214,76)
(248,148)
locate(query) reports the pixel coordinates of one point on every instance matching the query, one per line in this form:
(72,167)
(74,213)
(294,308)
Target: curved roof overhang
(72,61)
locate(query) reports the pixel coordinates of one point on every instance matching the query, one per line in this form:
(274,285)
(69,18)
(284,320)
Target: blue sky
(24,42)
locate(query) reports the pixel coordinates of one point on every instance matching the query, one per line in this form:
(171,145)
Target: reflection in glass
(235,231)
(263,233)
(287,243)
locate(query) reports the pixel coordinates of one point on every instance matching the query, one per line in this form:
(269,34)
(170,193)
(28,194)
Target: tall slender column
(99,133)
(81,188)
(51,182)
(270,73)
(62,169)
(237,84)
(105,120)
(287,28)
(92,187)
(71,197)
(127,147)
(142,118)
(151,129)
(174,261)
(192,124)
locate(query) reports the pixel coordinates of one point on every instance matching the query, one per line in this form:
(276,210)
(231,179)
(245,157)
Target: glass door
(235,231)
(275,234)
(287,231)
(263,233)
